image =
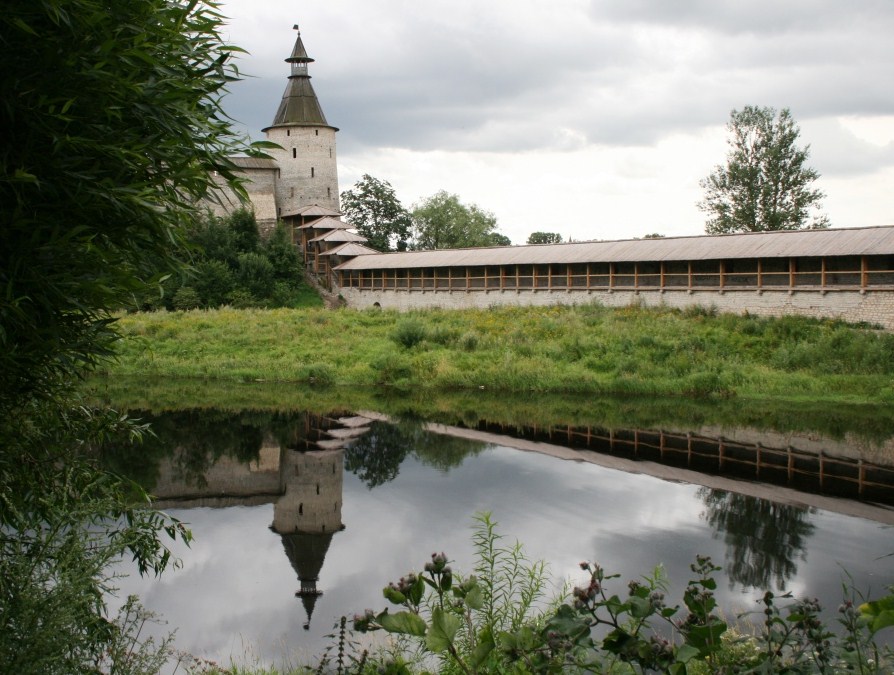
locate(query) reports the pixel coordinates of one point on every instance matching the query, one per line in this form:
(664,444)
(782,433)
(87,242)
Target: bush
(214,282)
(255,274)
(186,297)
(409,332)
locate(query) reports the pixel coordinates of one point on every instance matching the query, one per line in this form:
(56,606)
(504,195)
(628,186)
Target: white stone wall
(308,172)
(876,307)
(261,186)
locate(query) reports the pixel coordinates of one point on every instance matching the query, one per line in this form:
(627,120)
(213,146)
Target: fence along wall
(853,288)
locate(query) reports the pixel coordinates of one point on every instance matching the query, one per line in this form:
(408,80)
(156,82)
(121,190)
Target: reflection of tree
(763,538)
(376,456)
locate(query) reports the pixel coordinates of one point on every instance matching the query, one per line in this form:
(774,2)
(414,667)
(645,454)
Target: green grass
(578,350)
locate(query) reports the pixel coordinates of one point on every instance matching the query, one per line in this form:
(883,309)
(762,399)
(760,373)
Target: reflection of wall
(312,492)
(227,478)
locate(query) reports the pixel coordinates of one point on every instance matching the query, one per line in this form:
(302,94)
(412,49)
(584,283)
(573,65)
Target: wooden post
(636,275)
(661,275)
(792,270)
(689,274)
(823,272)
(611,275)
(588,276)
(760,279)
(722,274)
(864,273)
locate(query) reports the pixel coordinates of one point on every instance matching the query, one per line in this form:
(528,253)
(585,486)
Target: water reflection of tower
(308,514)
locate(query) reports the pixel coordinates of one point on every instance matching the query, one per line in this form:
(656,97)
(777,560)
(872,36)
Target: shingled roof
(299,105)
(799,243)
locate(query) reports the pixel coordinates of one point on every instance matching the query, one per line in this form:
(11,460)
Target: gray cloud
(490,78)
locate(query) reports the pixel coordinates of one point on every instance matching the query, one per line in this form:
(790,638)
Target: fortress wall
(876,307)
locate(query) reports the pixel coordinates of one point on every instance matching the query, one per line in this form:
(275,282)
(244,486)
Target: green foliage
(442,221)
(113,134)
(544,238)
(233,265)
(765,184)
(374,209)
(409,332)
(186,297)
(112,137)
(478,625)
(214,281)
(64,523)
(255,274)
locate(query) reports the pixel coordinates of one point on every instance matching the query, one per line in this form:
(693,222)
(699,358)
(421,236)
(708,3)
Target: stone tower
(307,162)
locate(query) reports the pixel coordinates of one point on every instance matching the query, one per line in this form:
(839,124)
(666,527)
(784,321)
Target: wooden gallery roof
(783,244)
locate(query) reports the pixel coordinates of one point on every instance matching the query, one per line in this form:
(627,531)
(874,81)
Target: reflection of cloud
(237,585)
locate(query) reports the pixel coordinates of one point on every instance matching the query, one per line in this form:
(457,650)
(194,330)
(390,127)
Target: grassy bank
(581,350)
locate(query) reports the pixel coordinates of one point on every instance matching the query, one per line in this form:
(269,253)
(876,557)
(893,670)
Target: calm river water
(299,519)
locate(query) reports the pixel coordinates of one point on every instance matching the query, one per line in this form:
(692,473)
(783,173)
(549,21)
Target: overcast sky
(592,118)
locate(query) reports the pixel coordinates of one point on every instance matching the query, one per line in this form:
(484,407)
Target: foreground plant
(481,624)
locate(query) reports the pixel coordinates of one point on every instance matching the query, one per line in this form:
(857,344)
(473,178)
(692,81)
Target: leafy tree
(113,134)
(765,184)
(544,238)
(653,235)
(499,239)
(442,221)
(373,208)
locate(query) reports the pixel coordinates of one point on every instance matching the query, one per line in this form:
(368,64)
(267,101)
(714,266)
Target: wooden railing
(772,274)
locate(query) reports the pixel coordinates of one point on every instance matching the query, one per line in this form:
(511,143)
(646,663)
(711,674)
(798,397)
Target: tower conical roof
(299,105)
(307,552)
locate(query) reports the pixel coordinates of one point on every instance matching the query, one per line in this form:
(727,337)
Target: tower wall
(308,172)
(312,496)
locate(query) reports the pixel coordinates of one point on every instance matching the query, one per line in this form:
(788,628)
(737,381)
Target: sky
(595,119)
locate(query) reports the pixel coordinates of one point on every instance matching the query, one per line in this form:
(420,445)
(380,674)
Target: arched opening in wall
(377,305)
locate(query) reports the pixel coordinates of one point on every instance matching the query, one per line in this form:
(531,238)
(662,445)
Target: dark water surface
(299,519)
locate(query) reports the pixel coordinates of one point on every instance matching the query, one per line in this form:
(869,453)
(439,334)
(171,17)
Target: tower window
(316,132)
(330,151)
(288,132)
(329,192)
(311,172)
(291,192)
(294,153)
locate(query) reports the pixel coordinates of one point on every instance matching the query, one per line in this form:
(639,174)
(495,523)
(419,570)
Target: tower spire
(299,105)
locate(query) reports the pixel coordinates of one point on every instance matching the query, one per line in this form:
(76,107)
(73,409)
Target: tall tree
(113,132)
(544,238)
(374,209)
(766,183)
(442,221)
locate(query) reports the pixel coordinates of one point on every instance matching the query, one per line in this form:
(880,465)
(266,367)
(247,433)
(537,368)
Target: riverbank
(580,350)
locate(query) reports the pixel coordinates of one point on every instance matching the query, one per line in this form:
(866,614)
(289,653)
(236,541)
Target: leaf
(443,629)
(686,653)
(475,598)
(406,623)
(416,591)
(879,612)
(483,649)
(640,608)
(393,595)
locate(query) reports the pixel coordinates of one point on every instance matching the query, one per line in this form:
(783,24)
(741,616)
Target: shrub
(214,282)
(409,332)
(255,274)
(186,297)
